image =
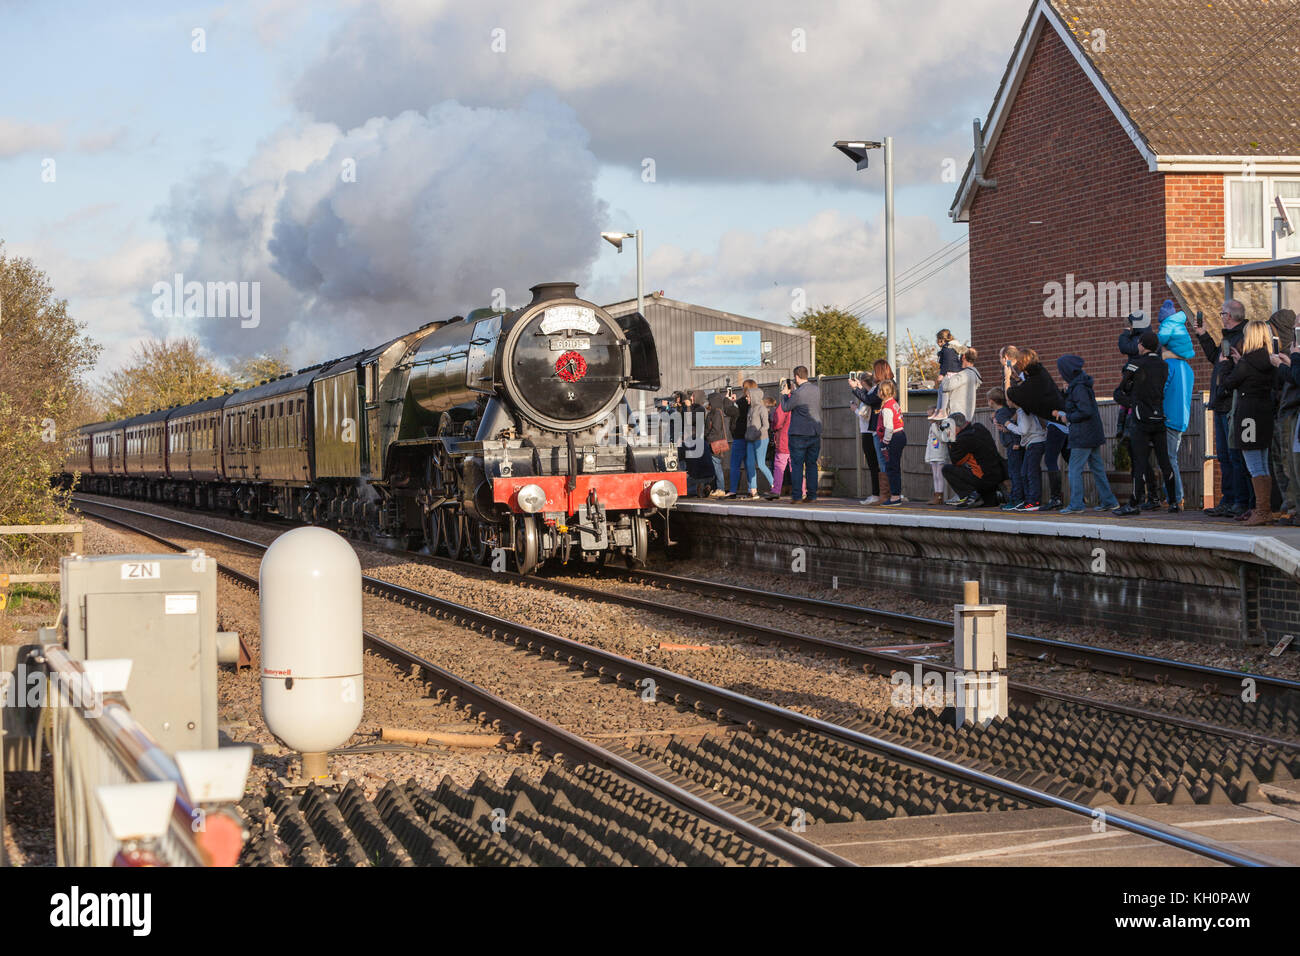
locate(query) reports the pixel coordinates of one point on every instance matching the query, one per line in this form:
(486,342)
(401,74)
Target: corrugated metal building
(704,348)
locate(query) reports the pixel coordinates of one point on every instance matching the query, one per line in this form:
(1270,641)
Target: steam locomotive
(486,435)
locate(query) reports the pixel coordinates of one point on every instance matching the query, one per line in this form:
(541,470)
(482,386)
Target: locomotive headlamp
(531,498)
(663,494)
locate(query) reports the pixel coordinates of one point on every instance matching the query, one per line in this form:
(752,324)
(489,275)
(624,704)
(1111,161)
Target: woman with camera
(1288,442)
(1249,373)
(1033,389)
(867,394)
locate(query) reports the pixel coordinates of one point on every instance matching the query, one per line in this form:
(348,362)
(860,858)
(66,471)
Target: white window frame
(1292,205)
(1265,249)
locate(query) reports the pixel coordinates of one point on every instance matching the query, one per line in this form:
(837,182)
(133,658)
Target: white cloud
(17,138)
(707,90)
(106,291)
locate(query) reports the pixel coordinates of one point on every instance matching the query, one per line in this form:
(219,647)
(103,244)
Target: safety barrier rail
(95,741)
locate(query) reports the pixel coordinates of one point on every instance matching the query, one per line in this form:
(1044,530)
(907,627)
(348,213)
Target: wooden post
(970,592)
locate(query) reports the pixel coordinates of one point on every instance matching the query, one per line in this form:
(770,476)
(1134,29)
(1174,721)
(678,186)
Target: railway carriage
(79,454)
(108,456)
(496,434)
(268,445)
(195,451)
(146,453)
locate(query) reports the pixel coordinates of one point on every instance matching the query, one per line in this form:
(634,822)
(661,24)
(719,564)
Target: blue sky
(481,167)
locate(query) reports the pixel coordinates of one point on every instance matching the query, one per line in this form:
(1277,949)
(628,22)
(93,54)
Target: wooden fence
(78,543)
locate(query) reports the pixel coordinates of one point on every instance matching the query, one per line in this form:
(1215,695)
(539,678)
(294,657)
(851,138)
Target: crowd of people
(1038,424)
(742,424)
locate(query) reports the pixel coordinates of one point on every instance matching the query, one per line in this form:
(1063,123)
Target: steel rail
(731,705)
(786,846)
(1092,657)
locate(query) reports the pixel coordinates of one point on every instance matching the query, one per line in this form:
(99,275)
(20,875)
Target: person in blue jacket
(1173,332)
(1177,350)
(1086,435)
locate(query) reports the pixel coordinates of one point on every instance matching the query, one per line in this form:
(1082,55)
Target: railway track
(482,705)
(759,718)
(1277,700)
(1089,657)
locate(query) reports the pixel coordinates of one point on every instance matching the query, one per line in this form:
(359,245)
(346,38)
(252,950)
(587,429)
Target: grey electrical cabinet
(159,610)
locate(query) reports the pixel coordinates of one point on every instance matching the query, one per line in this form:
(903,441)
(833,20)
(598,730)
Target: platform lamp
(615,239)
(857,150)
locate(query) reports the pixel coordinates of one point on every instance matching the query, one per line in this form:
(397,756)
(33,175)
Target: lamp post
(857,151)
(615,239)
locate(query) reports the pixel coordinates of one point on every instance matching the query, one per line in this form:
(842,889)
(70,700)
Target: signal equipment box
(159,610)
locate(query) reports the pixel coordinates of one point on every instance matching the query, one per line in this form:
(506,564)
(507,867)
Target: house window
(1249,211)
(1288,190)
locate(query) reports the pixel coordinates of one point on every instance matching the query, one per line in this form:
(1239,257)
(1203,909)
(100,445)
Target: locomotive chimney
(553,290)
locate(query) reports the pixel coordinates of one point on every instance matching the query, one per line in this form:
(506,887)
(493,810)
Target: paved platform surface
(1059,838)
(1274,544)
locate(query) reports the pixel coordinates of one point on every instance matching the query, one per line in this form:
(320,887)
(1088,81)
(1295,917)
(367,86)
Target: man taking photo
(1237,492)
(804,403)
(1143,391)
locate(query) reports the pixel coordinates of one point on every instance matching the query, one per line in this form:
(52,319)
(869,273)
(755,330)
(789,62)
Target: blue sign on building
(728,349)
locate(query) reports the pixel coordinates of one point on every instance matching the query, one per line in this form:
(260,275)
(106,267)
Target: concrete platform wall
(1158,590)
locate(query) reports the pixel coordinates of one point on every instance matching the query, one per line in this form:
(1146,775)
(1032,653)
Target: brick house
(1131,145)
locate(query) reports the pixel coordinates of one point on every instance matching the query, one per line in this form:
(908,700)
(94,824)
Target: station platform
(1059,838)
(1184,575)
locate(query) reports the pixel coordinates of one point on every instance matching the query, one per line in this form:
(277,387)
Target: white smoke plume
(357,236)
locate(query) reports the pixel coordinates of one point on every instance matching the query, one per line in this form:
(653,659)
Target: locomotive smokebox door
(641,351)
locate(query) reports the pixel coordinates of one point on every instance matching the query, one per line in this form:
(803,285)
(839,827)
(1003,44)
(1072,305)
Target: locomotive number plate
(563,345)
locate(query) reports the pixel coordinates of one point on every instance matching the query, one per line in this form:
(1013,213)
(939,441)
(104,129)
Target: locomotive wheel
(476,532)
(640,550)
(431,525)
(453,533)
(526,545)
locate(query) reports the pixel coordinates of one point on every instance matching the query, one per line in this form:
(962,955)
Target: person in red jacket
(893,439)
(779,422)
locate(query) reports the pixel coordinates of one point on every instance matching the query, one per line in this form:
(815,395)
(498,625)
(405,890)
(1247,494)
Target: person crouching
(977,469)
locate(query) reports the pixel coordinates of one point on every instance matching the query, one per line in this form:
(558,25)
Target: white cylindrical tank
(312,691)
